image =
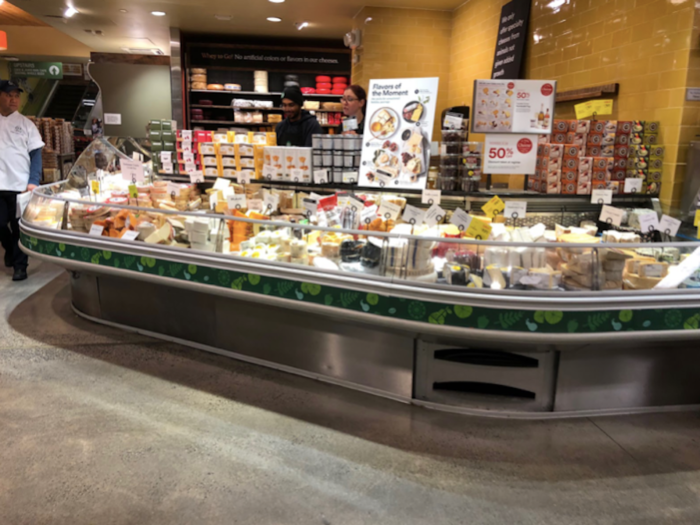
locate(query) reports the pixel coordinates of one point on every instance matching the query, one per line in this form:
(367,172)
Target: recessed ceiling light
(277,1)
(70,11)
(123,11)
(273,19)
(158,13)
(223,17)
(302,25)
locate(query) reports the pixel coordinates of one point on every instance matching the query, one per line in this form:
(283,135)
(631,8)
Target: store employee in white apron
(20,171)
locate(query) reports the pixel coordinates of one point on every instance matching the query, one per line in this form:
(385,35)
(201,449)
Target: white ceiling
(137,28)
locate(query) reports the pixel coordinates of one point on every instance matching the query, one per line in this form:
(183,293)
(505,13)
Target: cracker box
(622,139)
(569,175)
(641,163)
(657,151)
(611,126)
(560,126)
(621,151)
(607,151)
(583,187)
(583,126)
(620,163)
(651,127)
(586,175)
(653,188)
(636,139)
(601,175)
(550,164)
(579,139)
(585,163)
(569,187)
(624,126)
(637,126)
(594,140)
(558,138)
(636,174)
(608,139)
(599,185)
(603,163)
(598,127)
(650,139)
(656,163)
(639,151)
(593,151)
(618,175)
(572,151)
(654,176)
(553,188)
(570,163)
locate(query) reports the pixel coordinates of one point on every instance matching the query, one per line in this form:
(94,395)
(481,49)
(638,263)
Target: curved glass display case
(534,320)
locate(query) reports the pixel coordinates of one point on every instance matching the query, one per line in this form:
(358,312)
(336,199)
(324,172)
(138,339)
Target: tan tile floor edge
(101,426)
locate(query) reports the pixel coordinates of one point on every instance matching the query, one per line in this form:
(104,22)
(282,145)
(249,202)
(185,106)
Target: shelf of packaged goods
(254,93)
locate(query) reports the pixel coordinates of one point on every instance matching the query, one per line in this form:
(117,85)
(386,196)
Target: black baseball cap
(7,86)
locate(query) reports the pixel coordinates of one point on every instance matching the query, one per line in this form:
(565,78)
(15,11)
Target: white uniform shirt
(18,136)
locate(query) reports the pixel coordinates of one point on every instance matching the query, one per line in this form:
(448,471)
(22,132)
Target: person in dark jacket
(298,125)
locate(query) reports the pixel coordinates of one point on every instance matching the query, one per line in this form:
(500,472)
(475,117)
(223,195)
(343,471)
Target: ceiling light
(158,13)
(2,2)
(70,11)
(273,19)
(223,17)
(277,1)
(123,11)
(302,25)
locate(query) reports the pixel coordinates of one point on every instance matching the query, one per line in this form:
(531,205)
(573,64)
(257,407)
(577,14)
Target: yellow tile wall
(650,47)
(405,43)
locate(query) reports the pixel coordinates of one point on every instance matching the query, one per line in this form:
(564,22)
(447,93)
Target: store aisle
(102,426)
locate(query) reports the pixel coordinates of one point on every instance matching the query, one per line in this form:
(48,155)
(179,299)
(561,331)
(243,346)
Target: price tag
(100,174)
(611,215)
(130,235)
(22,201)
(137,156)
(633,185)
(166,157)
(479,230)
(173,189)
(648,222)
(515,210)
(601,196)
(95,185)
(271,202)
(434,215)
(413,215)
(343,199)
(321,176)
(389,211)
(236,202)
(311,207)
(132,170)
(669,225)
(384,180)
(213,199)
(269,172)
(461,219)
(431,197)
(186,135)
(350,124)
(196,176)
(355,203)
(168,169)
(243,177)
(296,175)
(349,177)
(222,184)
(453,121)
(697,218)
(255,204)
(133,191)
(493,207)
(96,230)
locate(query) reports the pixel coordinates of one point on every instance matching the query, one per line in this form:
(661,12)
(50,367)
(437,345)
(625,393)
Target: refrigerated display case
(554,323)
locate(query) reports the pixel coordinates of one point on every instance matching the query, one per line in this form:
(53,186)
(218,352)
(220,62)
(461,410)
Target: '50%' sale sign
(510,154)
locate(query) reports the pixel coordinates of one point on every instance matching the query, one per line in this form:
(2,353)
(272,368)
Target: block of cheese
(655,270)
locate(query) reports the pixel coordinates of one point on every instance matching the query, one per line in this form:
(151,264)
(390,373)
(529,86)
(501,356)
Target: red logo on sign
(524,146)
(547,89)
(511,85)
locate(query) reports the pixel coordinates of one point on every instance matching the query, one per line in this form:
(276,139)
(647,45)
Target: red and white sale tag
(510,154)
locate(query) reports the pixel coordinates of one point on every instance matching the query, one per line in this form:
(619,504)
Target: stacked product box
(460,162)
(162,138)
(582,155)
(289,164)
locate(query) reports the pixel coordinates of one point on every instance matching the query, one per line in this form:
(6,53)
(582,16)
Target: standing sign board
(398,132)
(511,39)
(514,106)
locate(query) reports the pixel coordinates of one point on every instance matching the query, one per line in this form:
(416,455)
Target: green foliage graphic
(224,278)
(692,323)
(626,316)
(348,298)
(553,317)
(253,279)
(539,317)
(284,287)
(417,310)
(595,321)
(372,299)
(673,319)
(463,311)
(313,289)
(508,319)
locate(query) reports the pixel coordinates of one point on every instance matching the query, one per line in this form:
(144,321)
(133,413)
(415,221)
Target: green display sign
(48,70)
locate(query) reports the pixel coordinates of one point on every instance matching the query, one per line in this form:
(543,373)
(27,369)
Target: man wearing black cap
(20,171)
(298,125)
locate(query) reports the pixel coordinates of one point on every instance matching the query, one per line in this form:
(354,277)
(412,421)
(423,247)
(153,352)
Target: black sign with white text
(512,36)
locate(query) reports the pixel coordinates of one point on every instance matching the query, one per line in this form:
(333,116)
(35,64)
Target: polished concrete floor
(98,426)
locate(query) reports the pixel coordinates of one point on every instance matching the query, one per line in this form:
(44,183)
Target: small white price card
(349,177)
(296,175)
(243,177)
(515,210)
(96,230)
(431,197)
(132,170)
(311,207)
(130,235)
(389,211)
(461,219)
(173,189)
(350,124)
(236,202)
(168,168)
(221,184)
(434,215)
(669,225)
(196,176)
(633,185)
(413,215)
(213,199)
(166,157)
(355,203)
(137,156)
(255,204)
(453,121)
(601,196)
(648,222)
(270,202)
(611,215)
(321,176)
(384,180)
(269,172)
